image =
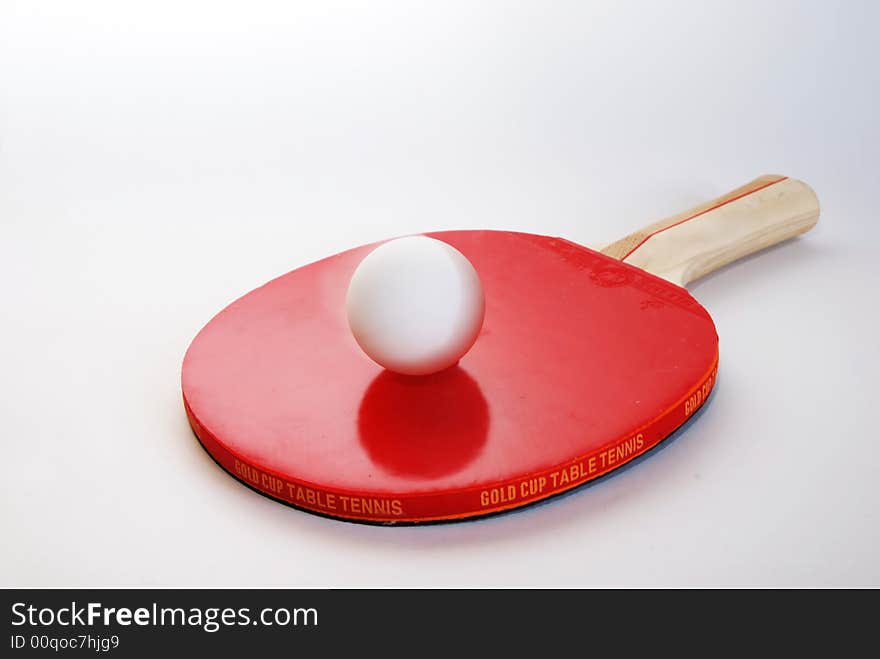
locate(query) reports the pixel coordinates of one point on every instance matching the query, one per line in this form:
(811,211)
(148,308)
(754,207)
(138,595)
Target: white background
(159,159)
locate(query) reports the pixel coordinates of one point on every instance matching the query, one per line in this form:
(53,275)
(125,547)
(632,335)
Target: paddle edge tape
(487,499)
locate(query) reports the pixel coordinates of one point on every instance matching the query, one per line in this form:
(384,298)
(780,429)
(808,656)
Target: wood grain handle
(687,246)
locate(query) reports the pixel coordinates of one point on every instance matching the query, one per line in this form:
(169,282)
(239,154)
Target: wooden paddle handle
(687,246)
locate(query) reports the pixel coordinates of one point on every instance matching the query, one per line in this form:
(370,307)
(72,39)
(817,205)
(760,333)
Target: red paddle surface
(583,363)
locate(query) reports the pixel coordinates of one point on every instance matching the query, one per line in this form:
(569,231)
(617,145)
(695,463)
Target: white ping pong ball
(415,305)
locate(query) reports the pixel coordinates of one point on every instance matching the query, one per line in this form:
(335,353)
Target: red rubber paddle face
(583,364)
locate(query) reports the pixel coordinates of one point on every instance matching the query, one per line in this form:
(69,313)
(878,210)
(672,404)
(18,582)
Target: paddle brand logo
(564,478)
(696,399)
(610,276)
(661,291)
(315,499)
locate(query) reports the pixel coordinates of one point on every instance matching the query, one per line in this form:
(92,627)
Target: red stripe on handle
(696,215)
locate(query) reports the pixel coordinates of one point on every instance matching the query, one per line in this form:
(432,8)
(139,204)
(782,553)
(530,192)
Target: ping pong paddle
(586,360)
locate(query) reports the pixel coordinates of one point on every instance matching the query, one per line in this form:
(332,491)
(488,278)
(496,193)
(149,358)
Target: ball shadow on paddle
(423,427)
